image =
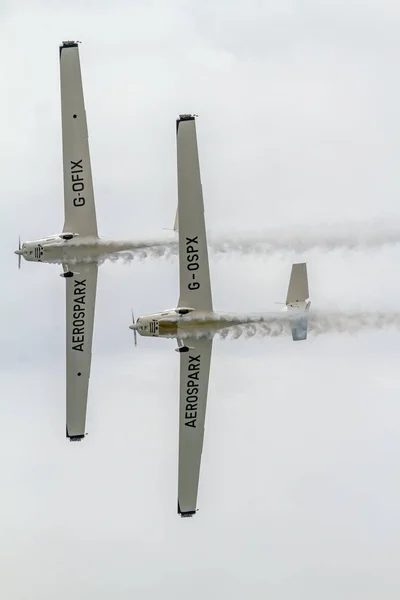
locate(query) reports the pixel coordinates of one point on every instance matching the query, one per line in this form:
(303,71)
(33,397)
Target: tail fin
(176,223)
(298,301)
(298,284)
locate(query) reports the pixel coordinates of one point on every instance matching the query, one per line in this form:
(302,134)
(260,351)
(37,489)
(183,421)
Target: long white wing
(79,206)
(194,375)
(194,273)
(80,305)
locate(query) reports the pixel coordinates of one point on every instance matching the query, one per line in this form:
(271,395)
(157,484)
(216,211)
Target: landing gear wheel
(67,274)
(183,349)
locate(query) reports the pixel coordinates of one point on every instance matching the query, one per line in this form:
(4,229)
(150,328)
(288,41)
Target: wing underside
(194,273)
(80,309)
(79,206)
(194,376)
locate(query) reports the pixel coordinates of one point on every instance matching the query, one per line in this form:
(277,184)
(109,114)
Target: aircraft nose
(18,252)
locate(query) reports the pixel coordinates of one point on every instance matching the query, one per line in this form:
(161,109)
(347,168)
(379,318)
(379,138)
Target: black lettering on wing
(194,240)
(78,184)
(78,282)
(192,390)
(78,315)
(77,166)
(192,264)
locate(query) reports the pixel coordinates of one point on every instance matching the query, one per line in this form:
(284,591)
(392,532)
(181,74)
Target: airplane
(194,313)
(78,247)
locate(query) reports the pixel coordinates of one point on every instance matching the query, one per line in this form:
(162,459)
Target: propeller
(19,252)
(134,328)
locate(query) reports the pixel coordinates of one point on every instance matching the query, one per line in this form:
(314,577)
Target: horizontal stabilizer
(299,325)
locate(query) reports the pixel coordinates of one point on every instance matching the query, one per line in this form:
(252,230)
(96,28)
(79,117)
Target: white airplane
(195,312)
(79,241)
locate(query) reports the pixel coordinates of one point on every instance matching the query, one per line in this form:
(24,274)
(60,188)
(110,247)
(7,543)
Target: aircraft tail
(298,302)
(176,223)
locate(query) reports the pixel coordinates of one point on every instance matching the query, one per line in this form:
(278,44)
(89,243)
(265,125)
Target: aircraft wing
(79,206)
(194,375)
(194,273)
(80,305)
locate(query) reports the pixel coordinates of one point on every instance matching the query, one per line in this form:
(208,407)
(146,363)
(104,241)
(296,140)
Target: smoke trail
(278,325)
(102,250)
(323,323)
(350,236)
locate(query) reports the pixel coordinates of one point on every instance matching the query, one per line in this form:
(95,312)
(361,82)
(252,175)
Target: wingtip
(184,117)
(67,44)
(186,513)
(74,438)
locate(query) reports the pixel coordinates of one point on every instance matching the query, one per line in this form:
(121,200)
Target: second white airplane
(195,312)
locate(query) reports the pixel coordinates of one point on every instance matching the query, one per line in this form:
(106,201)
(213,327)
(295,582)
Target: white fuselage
(181,322)
(57,249)
(177,322)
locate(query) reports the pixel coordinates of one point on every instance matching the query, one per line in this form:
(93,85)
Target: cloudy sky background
(298,124)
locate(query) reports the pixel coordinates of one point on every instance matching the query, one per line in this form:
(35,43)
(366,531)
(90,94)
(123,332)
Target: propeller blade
(19,252)
(134,331)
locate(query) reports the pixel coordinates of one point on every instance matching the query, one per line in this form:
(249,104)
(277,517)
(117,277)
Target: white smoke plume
(350,236)
(278,325)
(103,250)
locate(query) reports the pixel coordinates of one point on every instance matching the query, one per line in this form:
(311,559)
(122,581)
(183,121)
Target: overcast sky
(298,123)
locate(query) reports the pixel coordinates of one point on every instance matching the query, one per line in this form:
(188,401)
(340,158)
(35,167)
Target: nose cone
(18,252)
(133,327)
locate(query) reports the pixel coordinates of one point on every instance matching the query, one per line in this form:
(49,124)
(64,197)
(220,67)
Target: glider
(78,247)
(194,313)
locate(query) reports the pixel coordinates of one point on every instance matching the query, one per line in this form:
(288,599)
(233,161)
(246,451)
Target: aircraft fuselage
(183,322)
(172,324)
(69,248)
